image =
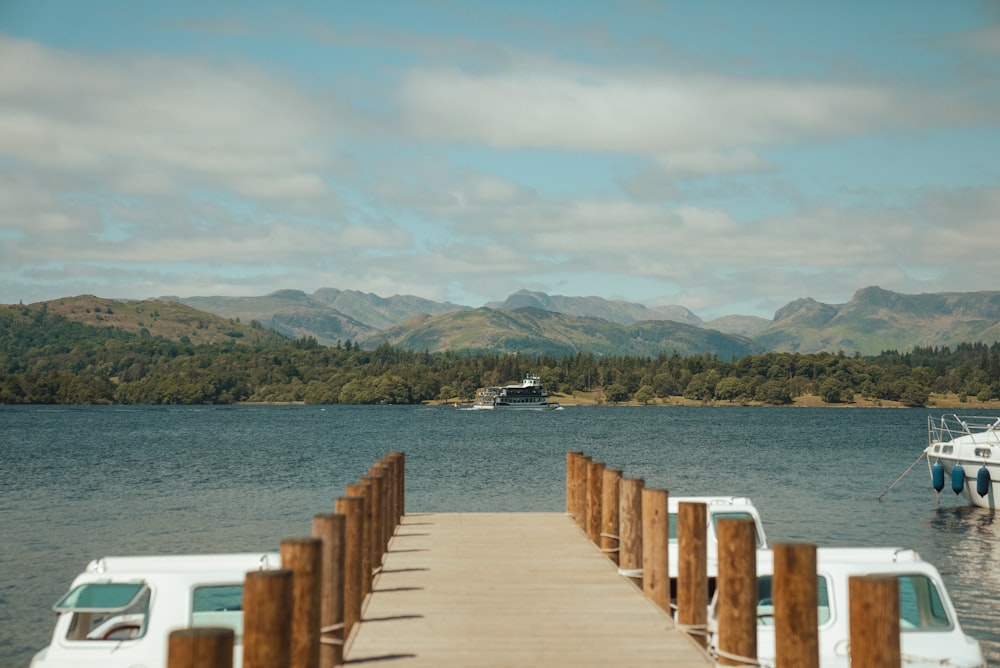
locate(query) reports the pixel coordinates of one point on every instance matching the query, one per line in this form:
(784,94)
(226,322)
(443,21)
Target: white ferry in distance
(528,395)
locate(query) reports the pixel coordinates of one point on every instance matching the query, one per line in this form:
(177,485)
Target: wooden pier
(374,586)
(509,589)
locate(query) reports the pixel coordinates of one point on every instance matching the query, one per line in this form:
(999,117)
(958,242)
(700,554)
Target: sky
(726,156)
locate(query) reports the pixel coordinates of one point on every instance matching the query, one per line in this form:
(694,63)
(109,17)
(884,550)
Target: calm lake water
(82,482)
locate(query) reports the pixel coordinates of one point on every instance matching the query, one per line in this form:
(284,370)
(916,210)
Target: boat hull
(972,443)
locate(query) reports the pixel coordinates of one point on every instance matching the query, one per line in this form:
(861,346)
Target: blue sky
(724,156)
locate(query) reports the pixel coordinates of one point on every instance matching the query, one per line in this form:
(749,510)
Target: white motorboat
(528,395)
(120,611)
(930,633)
(964,452)
(717,507)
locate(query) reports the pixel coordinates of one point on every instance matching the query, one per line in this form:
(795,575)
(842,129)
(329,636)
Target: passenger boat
(930,633)
(965,450)
(528,395)
(119,611)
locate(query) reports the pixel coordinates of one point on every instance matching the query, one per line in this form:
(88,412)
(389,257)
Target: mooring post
(595,475)
(630,528)
(364,492)
(267,618)
(200,647)
(352,507)
(302,555)
(609,513)
(655,539)
(796,601)
(329,528)
(737,591)
(571,503)
(582,464)
(874,621)
(379,520)
(692,569)
(399,492)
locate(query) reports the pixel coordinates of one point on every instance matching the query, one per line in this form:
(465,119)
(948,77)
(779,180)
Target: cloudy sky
(727,156)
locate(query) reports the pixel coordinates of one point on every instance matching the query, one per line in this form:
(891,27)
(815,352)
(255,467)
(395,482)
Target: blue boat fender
(983,481)
(937,476)
(957,478)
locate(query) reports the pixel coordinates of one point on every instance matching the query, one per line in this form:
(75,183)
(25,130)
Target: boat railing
(951,426)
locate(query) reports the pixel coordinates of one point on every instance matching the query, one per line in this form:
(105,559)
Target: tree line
(46,358)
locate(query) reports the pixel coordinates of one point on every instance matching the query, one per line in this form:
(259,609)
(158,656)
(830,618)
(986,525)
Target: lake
(82,482)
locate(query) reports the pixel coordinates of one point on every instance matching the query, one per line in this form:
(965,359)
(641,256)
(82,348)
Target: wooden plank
(509,589)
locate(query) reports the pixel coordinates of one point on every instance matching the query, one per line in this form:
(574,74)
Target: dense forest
(47,359)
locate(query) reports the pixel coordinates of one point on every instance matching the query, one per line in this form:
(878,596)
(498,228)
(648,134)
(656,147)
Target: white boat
(528,395)
(964,452)
(120,611)
(717,507)
(930,634)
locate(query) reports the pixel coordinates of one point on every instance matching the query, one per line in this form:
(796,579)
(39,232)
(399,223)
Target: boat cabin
(717,507)
(120,611)
(930,633)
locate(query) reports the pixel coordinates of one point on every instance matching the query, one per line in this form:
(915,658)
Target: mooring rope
(717,653)
(630,572)
(905,473)
(330,629)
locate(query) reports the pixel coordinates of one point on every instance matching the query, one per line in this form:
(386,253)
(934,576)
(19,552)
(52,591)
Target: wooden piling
(379,517)
(267,618)
(580,514)
(692,568)
(609,513)
(302,555)
(571,502)
(329,528)
(874,621)
(630,528)
(399,488)
(655,539)
(200,647)
(595,475)
(352,507)
(363,491)
(737,591)
(795,596)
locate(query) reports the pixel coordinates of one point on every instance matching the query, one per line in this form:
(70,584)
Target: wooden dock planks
(508,589)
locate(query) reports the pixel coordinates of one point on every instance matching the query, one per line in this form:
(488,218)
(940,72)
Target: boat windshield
(106,611)
(218,605)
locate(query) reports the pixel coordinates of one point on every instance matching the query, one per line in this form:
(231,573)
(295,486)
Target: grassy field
(950,402)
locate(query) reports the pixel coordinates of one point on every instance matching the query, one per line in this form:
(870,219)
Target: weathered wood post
(364,492)
(655,539)
(796,600)
(609,513)
(302,555)
(329,528)
(267,618)
(692,568)
(352,507)
(571,502)
(595,475)
(630,528)
(378,530)
(200,647)
(399,491)
(874,621)
(737,591)
(580,514)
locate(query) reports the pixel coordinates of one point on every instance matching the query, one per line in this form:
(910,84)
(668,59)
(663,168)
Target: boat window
(218,605)
(765,601)
(106,611)
(985,453)
(737,515)
(947,450)
(920,605)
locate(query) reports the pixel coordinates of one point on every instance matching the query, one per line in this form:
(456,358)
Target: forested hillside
(47,358)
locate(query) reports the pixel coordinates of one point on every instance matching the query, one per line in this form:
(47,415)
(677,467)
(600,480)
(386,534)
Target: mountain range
(527,322)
